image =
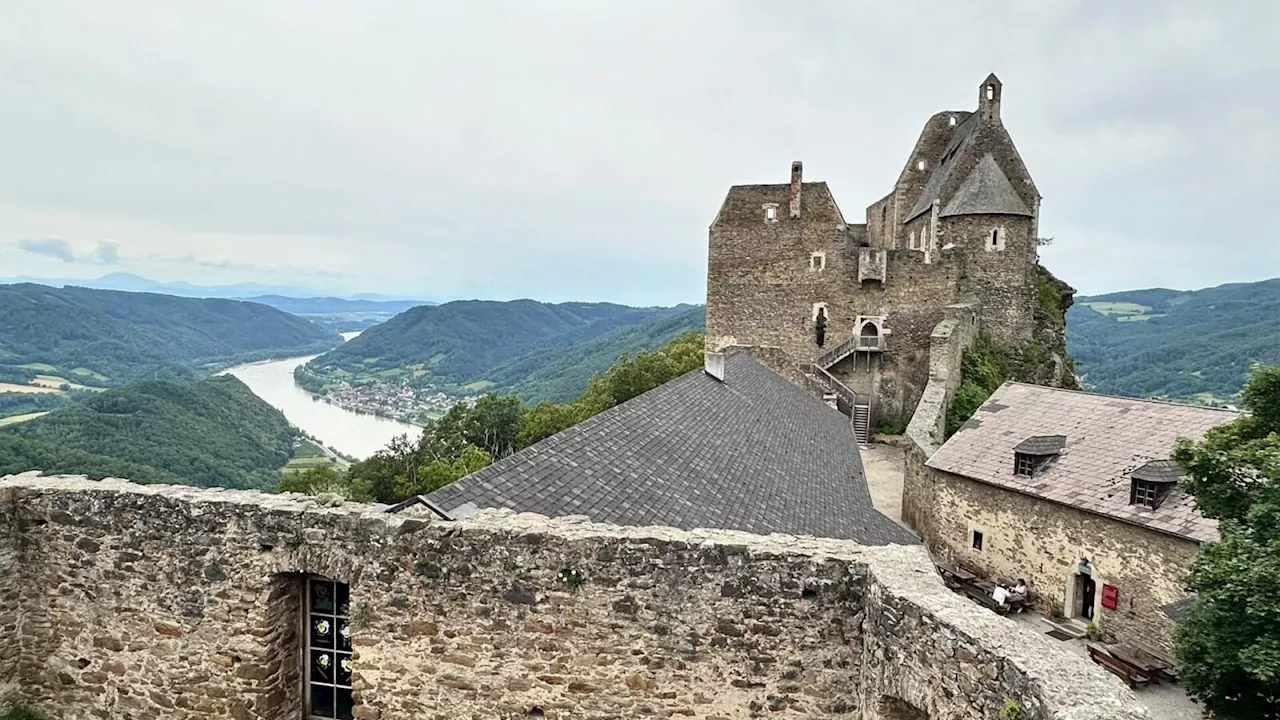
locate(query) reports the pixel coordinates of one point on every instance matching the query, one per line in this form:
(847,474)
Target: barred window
(328,649)
(1145,493)
(1024,464)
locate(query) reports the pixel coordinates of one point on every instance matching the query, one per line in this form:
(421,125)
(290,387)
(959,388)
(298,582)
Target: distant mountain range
(129,282)
(1193,345)
(537,350)
(103,338)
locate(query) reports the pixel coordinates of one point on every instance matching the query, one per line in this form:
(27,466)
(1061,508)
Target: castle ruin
(851,309)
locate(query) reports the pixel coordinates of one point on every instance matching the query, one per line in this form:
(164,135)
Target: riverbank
(357,435)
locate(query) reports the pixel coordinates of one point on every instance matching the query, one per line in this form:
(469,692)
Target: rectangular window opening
(1146,494)
(328,658)
(1024,465)
(977,540)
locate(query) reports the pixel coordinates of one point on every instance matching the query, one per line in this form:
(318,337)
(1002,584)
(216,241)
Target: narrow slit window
(977,540)
(919,164)
(771,213)
(328,659)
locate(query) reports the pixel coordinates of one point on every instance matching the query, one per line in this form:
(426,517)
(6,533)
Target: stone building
(1075,493)
(731,446)
(850,308)
(144,601)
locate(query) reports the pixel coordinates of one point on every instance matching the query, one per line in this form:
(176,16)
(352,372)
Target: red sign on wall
(1110,597)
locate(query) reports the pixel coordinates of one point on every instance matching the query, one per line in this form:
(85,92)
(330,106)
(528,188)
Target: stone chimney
(714,365)
(989,99)
(797,174)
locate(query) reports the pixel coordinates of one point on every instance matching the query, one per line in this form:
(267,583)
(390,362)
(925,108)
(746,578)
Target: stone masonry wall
(176,602)
(11,597)
(1025,537)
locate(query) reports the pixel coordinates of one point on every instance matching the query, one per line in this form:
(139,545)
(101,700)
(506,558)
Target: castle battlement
(137,601)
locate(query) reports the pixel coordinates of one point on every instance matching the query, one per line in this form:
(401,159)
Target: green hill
(478,345)
(106,338)
(560,375)
(209,432)
(1189,345)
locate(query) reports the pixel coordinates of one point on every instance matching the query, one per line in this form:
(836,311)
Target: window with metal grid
(328,659)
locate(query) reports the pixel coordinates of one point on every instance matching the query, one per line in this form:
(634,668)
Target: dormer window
(1152,482)
(1035,453)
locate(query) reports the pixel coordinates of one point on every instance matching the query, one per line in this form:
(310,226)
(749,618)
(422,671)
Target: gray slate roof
(753,453)
(986,192)
(943,165)
(1108,439)
(1159,471)
(1041,445)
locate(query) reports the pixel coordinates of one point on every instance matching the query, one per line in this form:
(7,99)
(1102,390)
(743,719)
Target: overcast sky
(578,150)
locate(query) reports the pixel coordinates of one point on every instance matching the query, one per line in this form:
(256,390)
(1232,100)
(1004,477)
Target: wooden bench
(1165,665)
(984,599)
(1129,674)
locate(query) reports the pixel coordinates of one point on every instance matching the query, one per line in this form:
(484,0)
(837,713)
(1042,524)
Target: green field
(15,419)
(1119,308)
(40,367)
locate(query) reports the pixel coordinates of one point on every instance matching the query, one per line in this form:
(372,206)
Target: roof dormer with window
(1150,484)
(1034,454)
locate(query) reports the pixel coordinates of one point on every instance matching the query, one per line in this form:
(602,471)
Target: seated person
(1000,595)
(1019,590)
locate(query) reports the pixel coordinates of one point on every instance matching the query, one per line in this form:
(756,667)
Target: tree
(493,424)
(1228,646)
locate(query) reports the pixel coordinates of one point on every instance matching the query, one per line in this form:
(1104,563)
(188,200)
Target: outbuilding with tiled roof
(1076,493)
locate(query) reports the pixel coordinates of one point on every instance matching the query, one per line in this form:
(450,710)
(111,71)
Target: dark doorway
(820,327)
(1086,596)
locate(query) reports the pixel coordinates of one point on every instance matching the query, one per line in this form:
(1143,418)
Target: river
(350,433)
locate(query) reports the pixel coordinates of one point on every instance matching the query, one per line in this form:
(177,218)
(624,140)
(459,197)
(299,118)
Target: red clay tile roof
(1107,439)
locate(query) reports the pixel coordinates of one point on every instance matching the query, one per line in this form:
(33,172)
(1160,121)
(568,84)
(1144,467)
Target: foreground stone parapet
(161,601)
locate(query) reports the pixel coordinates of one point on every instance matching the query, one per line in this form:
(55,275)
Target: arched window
(912,242)
(820,327)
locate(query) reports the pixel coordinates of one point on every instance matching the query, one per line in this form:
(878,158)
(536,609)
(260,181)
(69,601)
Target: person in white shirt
(1000,594)
(1020,590)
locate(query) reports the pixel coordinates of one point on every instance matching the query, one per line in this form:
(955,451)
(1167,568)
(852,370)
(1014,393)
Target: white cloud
(578,150)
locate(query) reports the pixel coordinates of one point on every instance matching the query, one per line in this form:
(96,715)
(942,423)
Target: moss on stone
(987,364)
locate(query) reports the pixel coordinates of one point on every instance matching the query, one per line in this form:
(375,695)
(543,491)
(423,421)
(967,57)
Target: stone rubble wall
(163,601)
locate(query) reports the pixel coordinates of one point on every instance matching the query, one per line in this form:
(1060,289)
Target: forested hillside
(209,432)
(105,338)
(538,349)
(1193,345)
(560,375)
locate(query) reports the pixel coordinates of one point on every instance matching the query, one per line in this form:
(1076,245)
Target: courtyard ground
(883,465)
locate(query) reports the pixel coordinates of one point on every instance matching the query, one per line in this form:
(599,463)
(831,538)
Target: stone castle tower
(851,308)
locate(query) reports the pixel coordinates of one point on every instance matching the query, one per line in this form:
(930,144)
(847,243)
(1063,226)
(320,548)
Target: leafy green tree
(493,424)
(316,481)
(546,419)
(1228,646)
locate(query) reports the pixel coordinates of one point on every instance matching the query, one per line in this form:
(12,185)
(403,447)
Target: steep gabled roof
(986,192)
(1108,441)
(753,453)
(943,165)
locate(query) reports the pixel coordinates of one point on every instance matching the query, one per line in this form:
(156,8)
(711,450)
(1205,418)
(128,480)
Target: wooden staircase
(862,423)
(859,405)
